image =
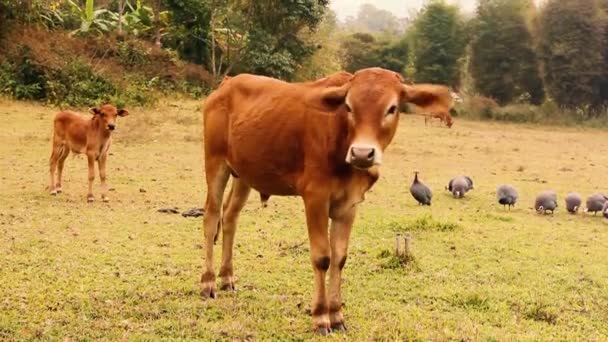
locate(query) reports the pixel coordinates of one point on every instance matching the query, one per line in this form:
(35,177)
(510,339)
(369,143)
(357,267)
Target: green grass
(121,270)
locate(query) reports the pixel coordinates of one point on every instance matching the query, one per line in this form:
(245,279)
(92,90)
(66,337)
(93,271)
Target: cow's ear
(428,97)
(335,95)
(95,111)
(123,112)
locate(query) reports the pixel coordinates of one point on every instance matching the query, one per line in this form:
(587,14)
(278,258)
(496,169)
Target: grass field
(121,270)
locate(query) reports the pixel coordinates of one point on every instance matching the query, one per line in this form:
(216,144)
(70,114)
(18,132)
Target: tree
(363,50)
(189,28)
(325,60)
(572,49)
(439,40)
(504,64)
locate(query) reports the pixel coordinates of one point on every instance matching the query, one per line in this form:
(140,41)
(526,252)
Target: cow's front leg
(91,161)
(317,219)
(339,236)
(102,176)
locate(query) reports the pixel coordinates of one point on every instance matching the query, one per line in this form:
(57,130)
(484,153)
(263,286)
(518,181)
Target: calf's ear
(123,112)
(335,96)
(95,111)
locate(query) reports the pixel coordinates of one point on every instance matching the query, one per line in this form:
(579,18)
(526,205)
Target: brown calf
(72,132)
(322,143)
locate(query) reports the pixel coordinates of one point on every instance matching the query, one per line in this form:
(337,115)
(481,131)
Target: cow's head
(372,98)
(107,115)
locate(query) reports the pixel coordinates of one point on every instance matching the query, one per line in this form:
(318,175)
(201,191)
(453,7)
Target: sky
(401,8)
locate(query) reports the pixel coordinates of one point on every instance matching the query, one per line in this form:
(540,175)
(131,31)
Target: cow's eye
(392,110)
(348,109)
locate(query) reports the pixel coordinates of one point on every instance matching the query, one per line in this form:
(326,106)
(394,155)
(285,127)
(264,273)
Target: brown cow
(322,143)
(441,109)
(72,132)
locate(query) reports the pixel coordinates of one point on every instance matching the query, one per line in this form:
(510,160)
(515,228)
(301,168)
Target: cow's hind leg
(339,236)
(55,154)
(217,174)
(317,220)
(60,163)
(238,196)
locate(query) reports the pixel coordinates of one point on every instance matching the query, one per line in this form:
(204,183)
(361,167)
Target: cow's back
(269,130)
(71,129)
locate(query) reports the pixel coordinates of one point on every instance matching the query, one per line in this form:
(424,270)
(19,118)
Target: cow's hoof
(105,198)
(323,331)
(208,292)
(228,286)
(58,190)
(338,327)
(53,193)
(90,198)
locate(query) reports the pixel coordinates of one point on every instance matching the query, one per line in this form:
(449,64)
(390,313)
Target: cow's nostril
(371,153)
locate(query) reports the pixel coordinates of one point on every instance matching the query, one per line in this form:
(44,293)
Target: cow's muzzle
(363,156)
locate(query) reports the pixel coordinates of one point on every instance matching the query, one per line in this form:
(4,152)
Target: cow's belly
(271,181)
(266,154)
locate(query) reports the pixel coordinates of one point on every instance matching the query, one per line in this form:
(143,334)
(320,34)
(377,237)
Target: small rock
(142,190)
(194,212)
(168,210)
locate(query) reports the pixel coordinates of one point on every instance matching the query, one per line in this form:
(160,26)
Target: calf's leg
(91,164)
(339,236)
(217,174)
(238,196)
(52,166)
(317,220)
(64,154)
(101,163)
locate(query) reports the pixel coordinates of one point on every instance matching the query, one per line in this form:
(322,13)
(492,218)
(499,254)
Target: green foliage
(439,40)
(572,45)
(275,48)
(92,20)
(77,85)
(131,55)
(363,50)
(503,61)
(23,78)
(188,31)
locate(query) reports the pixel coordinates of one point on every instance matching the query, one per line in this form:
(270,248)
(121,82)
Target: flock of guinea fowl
(507,195)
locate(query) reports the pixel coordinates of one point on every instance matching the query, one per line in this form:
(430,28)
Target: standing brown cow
(322,143)
(72,132)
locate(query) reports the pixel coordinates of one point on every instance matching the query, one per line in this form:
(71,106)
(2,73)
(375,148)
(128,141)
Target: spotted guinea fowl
(459,186)
(605,210)
(573,202)
(507,195)
(420,191)
(546,201)
(595,203)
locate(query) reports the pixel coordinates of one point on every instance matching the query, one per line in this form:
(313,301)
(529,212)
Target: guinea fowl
(573,202)
(420,191)
(605,210)
(459,186)
(506,195)
(595,203)
(546,201)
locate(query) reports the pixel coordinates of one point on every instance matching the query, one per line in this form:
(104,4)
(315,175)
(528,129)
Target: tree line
(509,50)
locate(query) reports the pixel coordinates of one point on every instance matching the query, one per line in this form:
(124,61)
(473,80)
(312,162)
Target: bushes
(57,68)
(549,112)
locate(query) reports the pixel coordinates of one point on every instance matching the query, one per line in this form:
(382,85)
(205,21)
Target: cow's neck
(356,181)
